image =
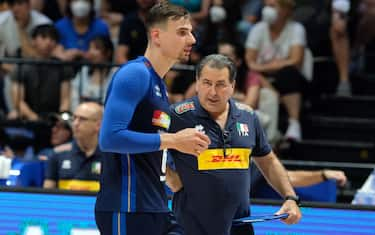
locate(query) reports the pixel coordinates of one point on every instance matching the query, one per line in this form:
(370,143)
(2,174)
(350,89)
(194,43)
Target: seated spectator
(248,90)
(90,83)
(79,167)
(340,44)
(132,39)
(77,29)
(61,135)
(3,6)
(250,15)
(198,8)
(41,89)
(364,45)
(298,178)
(16,26)
(275,48)
(114,11)
(54,9)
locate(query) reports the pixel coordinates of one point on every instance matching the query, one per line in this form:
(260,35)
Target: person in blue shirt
(213,188)
(77,29)
(132,198)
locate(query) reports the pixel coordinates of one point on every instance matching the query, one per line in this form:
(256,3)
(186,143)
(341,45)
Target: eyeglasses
(82,118)
(219,85)
(226,138)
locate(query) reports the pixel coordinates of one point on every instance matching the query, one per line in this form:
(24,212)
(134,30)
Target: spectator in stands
(198,9)
(250,15)
(114,11)
(77,28)
(275,48)
(340,44)
(3,6)
(16,25)
(132,40)
(79,167)
(61,135)
(298,178)
(248,90)
(364,44)
(90,83)
(54,9)
(223,14)
(41,89)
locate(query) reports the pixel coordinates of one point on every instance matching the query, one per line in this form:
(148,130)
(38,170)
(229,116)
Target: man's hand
(173,180)
(190,141)
(293,210)
(339,176)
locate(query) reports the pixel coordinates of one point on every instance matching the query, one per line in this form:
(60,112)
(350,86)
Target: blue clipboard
(258,218)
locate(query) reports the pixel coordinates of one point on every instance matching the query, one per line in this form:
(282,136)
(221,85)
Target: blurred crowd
(274,44)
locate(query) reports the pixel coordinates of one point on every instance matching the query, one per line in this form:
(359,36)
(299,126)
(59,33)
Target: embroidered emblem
(244,107)
(161,119)
(242,129)
(157,91)
(66,164)
(200,128)
(96,168)
(184,107)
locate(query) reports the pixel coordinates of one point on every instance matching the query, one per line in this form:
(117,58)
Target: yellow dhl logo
(214,159)
(79,185)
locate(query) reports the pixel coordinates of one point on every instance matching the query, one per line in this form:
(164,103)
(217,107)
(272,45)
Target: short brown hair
(163,11)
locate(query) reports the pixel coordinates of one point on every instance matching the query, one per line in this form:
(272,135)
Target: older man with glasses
(78,167)
(212,188)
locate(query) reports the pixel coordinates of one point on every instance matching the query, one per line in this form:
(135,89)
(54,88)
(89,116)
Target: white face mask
(80,8)
(341,5)
(269,14)
(217,14)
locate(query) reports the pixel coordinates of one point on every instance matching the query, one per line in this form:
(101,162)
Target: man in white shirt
(15,28)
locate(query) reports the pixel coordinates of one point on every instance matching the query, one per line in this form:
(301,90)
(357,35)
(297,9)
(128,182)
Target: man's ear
(234,84)
(155,36)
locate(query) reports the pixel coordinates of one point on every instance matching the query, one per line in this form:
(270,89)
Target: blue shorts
(115,223)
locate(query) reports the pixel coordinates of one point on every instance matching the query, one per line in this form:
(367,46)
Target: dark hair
(12,2)
(105,43)
(164,10)
(45,30)
(217,61)
(69,13)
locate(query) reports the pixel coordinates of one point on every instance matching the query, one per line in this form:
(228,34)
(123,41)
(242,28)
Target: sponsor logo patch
(214,159)
(161,119)
(184,107)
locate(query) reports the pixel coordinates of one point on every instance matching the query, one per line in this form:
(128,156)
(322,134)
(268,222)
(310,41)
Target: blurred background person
(275,47)
(79,167)
(61,135)
(77,28)
(91,82)
(34,94)
(132,38)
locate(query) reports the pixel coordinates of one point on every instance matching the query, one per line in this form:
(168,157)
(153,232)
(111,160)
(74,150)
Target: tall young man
(132,199)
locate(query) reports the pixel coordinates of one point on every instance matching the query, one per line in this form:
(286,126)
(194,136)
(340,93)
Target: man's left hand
(293,210)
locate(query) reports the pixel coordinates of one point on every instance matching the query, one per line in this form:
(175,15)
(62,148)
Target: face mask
(341,5)
(217,14)
(269,14)
(80,8)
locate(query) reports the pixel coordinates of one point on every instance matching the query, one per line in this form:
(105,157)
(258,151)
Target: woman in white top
(91,82)
(275,47)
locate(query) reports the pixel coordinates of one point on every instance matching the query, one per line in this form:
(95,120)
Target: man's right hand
(190,141)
